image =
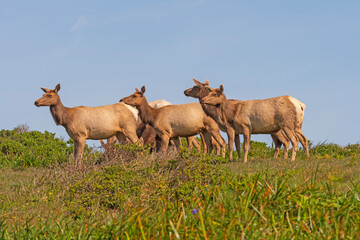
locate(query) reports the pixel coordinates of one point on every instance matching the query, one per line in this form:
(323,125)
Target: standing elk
(201,90)
(96,123)
(259,117)
(146,133)
(192,141)
(175,120)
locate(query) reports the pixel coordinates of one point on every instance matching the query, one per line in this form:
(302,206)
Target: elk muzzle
(186,92)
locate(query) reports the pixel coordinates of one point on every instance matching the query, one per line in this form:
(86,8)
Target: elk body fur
(183,120)
(259,117)
(201,90)
(96,123)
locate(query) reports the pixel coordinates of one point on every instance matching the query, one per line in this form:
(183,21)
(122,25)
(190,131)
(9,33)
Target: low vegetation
(130,194)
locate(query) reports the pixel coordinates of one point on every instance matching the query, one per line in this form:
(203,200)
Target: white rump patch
(159,103)
(300,108)
(135,112)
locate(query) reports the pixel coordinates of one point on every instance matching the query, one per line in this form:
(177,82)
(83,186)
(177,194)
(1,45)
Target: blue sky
(100,50)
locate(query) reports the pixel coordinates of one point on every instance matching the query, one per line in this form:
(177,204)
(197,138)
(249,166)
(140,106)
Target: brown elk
(146,133)
(175,120)
(201,90)
(83,123)
(259,117)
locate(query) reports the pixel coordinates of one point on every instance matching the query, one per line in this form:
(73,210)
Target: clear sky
(100,50)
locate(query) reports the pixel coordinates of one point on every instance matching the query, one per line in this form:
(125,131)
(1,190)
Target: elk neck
(59,113)
(147,113)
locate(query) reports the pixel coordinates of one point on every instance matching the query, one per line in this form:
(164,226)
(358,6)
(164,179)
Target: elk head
(50,97)
(215,97)
(135,99)
(199,91)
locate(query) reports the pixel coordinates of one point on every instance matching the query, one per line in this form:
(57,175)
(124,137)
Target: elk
(146,133)
(201,90)
(96,123)
(175,120)
(265,116)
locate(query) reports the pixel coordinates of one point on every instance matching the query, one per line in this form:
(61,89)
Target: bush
(23,148)
(132,185)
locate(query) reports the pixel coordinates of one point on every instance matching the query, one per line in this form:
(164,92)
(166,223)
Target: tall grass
(134,195)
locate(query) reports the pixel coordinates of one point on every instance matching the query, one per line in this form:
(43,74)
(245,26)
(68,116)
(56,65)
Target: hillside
(133,194)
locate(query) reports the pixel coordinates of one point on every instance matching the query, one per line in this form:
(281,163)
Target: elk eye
(49,96)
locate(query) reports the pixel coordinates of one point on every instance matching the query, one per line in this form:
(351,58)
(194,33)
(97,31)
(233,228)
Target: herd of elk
(172,121)
(265,116)
(159,123)
(201,90)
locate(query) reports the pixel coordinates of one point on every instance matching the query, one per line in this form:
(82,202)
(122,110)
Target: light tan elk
(201,90)
(260,117)
(83,123)
(192,141)
(175,120)
(146,133)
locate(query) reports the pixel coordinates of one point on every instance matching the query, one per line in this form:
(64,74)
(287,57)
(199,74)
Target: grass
(134,195)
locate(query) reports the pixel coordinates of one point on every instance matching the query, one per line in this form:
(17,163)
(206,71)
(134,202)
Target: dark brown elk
(259,117)
(172,121)
(96,123)
(201,90)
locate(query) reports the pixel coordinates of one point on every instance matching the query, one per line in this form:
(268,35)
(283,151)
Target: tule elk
(96,123)
(260,117)
(173,121)
(201,90)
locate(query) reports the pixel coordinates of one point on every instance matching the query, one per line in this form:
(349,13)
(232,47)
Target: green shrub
(330,150)
(22,148)
(135,185)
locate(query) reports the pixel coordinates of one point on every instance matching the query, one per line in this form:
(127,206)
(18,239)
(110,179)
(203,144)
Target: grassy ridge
(134,195)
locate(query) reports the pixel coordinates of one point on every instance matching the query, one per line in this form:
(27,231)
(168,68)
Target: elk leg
(79,145)
(215,145)
(231,135)
(247,136)
(203,142)
(158,143)
(214,130)
(277,146)
(193,142)
(164,142)
(291,134)
(219,139)
(120,137)
(177,142)
(303,141)
(284,141)
(206,141)
(190,143)
(237,144)
(196,144)
(131,135)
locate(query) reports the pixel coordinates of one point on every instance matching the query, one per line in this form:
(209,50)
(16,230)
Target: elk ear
(137,90)
(207,82)
(208,88)
(197,83)
(57,88)
(45,89)
(221,88)
(143,89)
